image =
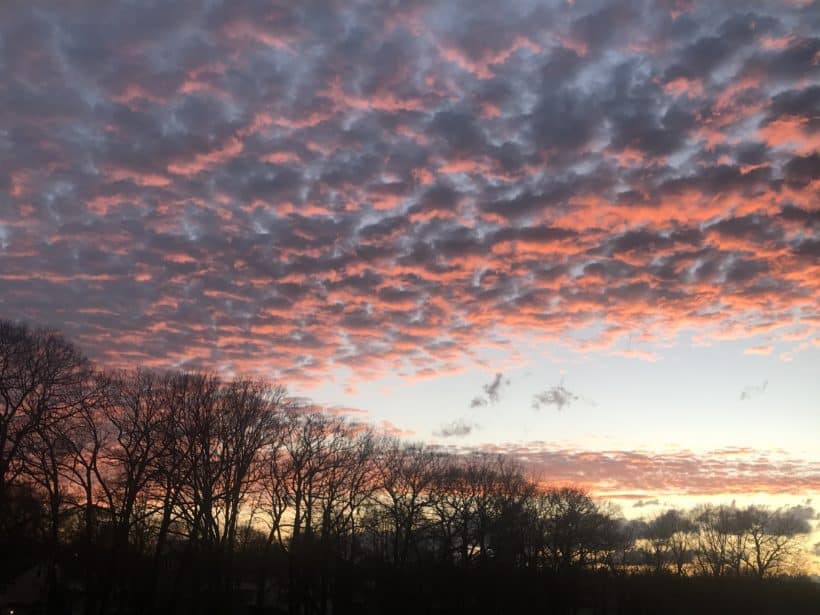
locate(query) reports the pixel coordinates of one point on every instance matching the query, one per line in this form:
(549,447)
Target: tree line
(136,491)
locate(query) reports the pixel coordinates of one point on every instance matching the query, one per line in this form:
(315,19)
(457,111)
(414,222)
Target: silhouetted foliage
(142,492)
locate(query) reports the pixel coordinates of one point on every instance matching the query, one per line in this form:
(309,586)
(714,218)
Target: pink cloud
(759,350)
(718,472)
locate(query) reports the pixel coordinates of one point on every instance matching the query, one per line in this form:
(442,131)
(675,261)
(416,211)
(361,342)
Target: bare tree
(463,504)
(44,381)
(313,448)
(720,540)
(773,539)
(511,525)
(90,436)
(43,378)
(170,471)
(669,538)
(571,521)
(405,475)
(275,496)
(249,422)
(133,415)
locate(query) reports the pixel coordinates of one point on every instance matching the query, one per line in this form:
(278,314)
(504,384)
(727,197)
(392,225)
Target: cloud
(457,428)
(558,396)
(493,389)
(345,411)
(185,186)
(676,472)
(492,392)
(759,350)
(642,503)
(390,429)
(751,391)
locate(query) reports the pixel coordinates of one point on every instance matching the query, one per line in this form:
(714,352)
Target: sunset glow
(585,234)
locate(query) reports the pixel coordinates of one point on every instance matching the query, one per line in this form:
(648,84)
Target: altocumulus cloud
(255,187)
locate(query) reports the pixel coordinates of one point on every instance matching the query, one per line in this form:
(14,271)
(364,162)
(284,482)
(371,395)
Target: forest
(138,491)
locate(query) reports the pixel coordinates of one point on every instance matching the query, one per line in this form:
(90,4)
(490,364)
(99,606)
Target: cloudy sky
(583,232)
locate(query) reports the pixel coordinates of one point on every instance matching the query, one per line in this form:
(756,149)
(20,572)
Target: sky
(583,233)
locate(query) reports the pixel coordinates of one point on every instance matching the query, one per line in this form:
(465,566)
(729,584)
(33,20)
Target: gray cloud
(457,428)
(752,391)
(478,402)
(557,396)
(491,391)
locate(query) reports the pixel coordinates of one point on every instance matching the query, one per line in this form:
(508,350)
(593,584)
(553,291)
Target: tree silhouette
(165,492)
